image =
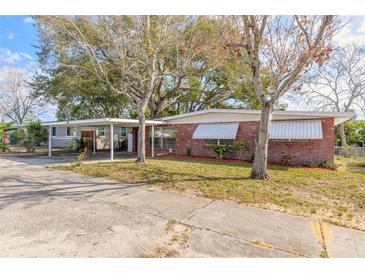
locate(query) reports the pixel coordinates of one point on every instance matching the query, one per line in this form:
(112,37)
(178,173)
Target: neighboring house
(300,137)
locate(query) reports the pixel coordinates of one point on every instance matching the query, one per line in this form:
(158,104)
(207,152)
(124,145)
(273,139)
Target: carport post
(153,141)
(49,141)
(111,142)
(94,142)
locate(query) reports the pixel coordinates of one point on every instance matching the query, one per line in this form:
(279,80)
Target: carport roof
(100,122)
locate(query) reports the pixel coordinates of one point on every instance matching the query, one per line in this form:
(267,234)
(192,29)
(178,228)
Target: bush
(220,150)
(29,143)
(189,151)
(4,147)
(32,137)
(18,136)
(37,132)
(238,148)
(77,144)
(82,156)
(328,165)
(287,159)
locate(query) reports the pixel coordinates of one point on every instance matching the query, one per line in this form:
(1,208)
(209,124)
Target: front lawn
(335,196)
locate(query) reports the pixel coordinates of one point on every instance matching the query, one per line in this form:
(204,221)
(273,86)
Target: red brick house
(296,137)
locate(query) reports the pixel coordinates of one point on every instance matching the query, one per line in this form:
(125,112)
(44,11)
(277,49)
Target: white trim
(94,141)
(111,142)
(101,121)
(50,141)
(254,115)
(63,137)
(255,112)
(153,141)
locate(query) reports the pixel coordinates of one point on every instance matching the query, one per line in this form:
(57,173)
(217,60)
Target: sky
(18,40)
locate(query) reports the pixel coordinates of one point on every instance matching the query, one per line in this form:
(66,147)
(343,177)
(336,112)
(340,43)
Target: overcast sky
(18,39)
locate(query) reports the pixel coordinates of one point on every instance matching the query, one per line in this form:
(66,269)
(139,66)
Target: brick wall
(299,152)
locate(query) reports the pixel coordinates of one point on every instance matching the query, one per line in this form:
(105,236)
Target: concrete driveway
(49,213)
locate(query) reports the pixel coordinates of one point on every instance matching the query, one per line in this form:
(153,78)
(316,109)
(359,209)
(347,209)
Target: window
(100,132)
(71,131)
(226,142)
(54,131)
(168,137)
(165,137)
(123,132)
(213,142)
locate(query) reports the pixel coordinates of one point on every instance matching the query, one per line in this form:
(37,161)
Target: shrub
(18,135)
(220,150)
(328,165)
(82,156)
(189,151)
(4,146)
(287,159)
(29,143)
(32,137)
(37,132)
(238,148)
(77,144)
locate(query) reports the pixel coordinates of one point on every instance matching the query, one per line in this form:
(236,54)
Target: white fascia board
(340,117)
(102,121)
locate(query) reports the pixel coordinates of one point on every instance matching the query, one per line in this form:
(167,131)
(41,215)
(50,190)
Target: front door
(87,138)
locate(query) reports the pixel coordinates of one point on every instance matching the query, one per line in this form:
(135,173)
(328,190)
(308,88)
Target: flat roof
(258,112)
(98,122)
(340,117)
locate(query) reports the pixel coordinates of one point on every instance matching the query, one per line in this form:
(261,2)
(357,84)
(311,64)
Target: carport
(73,130)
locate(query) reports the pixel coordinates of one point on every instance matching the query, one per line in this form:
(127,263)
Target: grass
(334,196)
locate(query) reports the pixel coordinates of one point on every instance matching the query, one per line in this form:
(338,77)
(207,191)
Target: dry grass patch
(334,196)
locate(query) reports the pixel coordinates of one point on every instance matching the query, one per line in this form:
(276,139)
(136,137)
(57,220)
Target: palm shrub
(220,150)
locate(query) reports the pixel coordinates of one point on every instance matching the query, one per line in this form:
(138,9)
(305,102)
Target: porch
(97,135)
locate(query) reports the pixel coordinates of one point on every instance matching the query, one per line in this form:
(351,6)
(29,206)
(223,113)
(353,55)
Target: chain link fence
(350,151)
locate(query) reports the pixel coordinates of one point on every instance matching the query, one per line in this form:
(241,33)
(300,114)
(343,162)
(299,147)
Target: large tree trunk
(141,150)
(343,135)
(259,167)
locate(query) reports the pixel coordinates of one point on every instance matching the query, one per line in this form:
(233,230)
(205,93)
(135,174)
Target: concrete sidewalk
(49,213)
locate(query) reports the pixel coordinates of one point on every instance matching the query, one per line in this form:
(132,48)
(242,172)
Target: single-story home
(301,137)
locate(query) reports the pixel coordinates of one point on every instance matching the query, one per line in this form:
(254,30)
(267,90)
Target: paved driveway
(49,213)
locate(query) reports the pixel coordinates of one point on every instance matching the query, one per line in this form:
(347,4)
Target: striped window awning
(216,131)
(296,130)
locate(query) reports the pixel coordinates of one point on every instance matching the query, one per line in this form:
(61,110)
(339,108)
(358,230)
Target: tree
(125,53)
(355,133)
(17,101)
(37,132)
(339,85)
(79,95)
(34,134)
(281,48)
(3,136)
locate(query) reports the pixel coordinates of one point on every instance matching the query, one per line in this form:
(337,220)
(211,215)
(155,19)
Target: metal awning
(296,130)
(216,131)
